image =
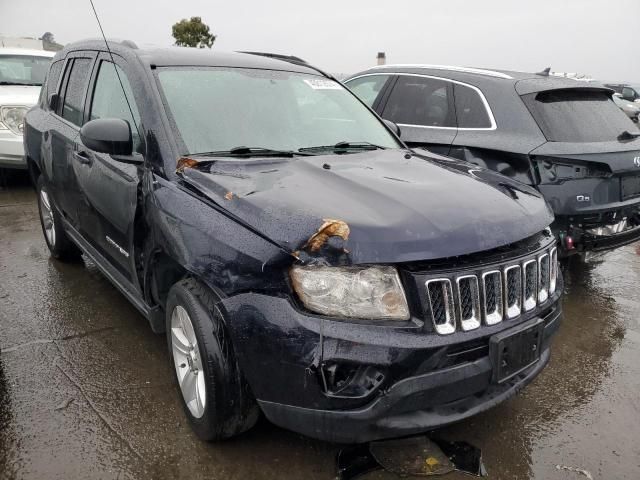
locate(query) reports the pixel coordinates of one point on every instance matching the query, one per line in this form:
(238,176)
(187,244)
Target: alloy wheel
(46,214)
(188,362)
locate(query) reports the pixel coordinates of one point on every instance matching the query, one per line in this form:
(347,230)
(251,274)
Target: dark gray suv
(566,138)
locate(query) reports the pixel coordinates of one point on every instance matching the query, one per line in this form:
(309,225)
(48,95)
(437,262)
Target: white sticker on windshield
(322,84)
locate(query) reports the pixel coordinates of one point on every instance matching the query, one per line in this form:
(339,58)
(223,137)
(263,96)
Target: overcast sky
(586,36)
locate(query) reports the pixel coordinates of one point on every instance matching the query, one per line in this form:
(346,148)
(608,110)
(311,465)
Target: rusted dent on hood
(185,162)
(327,245)
(330,228)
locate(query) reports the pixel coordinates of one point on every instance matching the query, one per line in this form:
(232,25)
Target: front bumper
(429,380)
(11,151)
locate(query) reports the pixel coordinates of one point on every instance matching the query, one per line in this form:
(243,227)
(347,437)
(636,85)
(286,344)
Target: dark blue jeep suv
(302,261)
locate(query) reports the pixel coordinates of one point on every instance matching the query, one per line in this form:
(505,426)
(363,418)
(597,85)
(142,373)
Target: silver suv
(22,73)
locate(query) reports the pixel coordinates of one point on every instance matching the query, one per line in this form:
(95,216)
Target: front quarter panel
(36,123)
(210,245)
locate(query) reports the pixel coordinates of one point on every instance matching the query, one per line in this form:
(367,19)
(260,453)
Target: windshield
(23,69)
(577,115)
(218,109)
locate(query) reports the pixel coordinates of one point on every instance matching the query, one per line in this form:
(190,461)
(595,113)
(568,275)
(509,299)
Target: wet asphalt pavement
(86,389)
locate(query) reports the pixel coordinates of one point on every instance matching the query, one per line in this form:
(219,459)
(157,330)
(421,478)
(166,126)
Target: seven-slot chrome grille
(466,301)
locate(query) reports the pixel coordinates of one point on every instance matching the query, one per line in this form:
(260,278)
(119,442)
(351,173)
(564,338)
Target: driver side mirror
(392,126)
(111,136)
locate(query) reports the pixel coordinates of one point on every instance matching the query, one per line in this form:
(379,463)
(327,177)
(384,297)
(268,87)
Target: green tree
(192,33)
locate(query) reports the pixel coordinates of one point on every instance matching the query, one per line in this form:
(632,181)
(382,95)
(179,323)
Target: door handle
(82,157)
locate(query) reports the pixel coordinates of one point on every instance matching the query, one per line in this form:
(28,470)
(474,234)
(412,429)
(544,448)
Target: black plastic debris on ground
(412,456)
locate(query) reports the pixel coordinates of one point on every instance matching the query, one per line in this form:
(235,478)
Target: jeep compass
(301,260)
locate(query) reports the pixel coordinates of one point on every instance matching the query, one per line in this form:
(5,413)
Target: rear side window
(368,88)
(73,106)
(109,98)
(470,109)
(578,116)
(420,101)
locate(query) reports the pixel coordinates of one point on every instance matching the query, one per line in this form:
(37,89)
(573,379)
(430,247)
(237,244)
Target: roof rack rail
(478,71)
(292,59)
(278,56)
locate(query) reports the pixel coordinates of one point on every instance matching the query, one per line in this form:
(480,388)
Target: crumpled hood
(397,209)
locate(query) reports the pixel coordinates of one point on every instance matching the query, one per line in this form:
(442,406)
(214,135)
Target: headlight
(13,118)
(354,292)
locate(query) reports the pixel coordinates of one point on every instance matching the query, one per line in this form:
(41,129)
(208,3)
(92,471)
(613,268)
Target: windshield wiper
(343,146)
(247,152)
(627,135)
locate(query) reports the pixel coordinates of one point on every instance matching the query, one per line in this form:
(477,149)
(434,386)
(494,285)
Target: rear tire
(214,394)
(54,235)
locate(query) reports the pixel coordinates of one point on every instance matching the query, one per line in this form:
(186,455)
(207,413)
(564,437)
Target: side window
(109,99)
(420,101)
(51,82)
(72,107)
(368,88)
(470,109)
(629,92)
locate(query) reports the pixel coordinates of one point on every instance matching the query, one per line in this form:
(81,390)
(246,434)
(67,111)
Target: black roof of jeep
(158,56)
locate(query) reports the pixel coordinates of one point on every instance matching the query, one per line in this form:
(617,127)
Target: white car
(22,74)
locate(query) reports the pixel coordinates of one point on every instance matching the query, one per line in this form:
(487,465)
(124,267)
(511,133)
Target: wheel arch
(162,273)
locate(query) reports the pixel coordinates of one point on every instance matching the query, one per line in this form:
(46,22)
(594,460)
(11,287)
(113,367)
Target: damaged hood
(388,207)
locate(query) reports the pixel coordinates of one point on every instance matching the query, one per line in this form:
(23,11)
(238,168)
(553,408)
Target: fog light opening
(344,380)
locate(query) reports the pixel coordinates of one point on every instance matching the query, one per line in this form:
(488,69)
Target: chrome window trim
(473,322)
(530,303)
(514,310)
(487,107)
(449,326)
(381,74)
(453,68)
(543,293)
(496,316)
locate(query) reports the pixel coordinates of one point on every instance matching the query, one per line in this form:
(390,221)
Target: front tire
(57,241)
(215,395)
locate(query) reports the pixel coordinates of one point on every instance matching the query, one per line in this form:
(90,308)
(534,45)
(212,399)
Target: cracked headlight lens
(13,118)
(352,292)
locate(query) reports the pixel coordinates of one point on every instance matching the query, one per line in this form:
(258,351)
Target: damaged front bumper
(350,383)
